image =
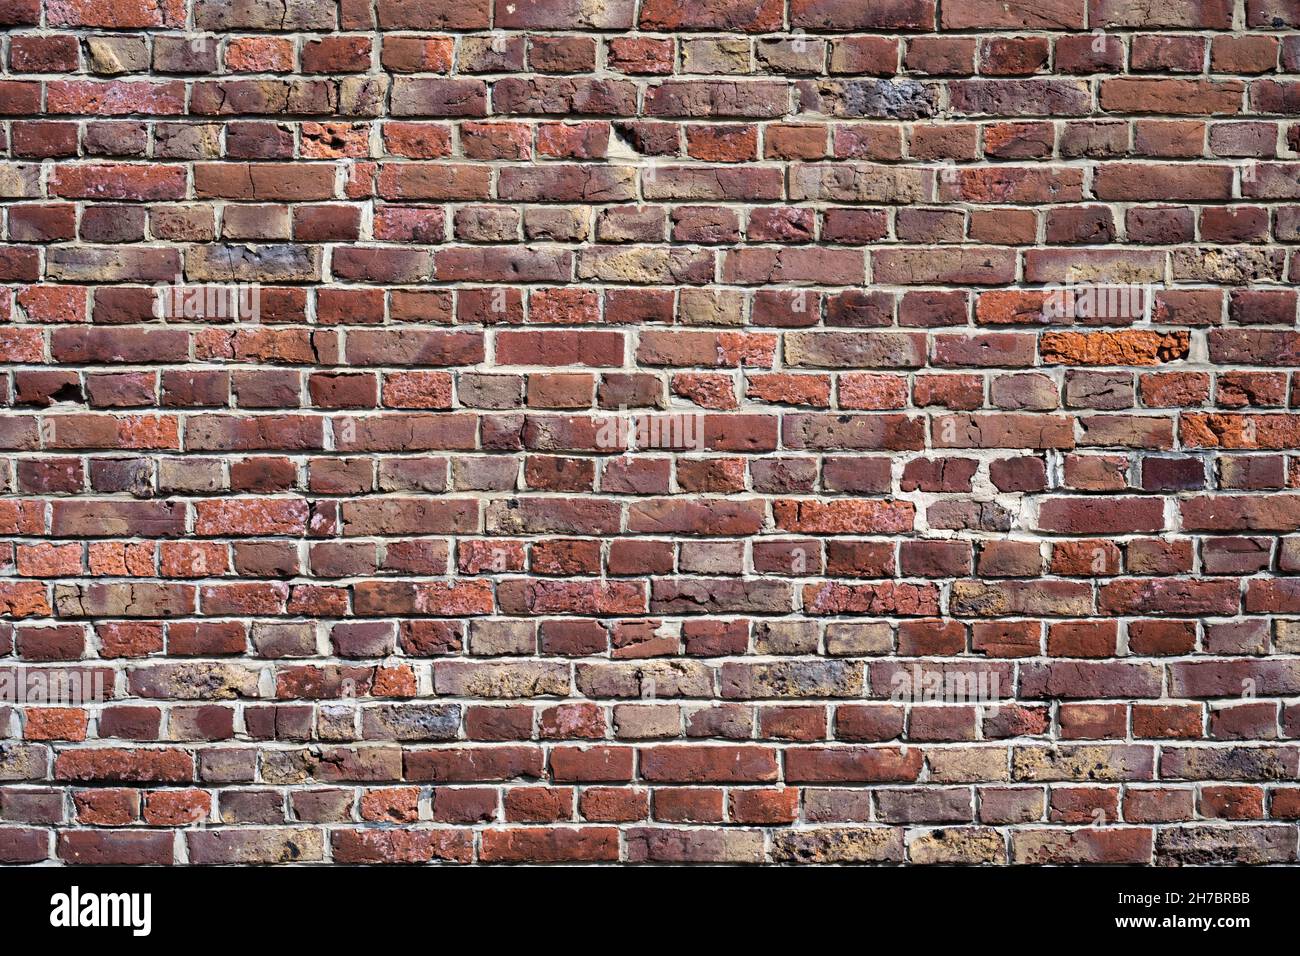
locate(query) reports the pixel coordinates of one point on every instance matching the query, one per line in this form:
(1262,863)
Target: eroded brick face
(785,431)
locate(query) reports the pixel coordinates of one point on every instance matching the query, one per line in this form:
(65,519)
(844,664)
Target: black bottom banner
(329,906)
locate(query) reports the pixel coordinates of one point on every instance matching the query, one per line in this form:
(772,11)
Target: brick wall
(674,430)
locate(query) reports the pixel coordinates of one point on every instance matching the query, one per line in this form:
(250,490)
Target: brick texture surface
(642,431)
